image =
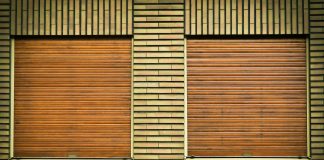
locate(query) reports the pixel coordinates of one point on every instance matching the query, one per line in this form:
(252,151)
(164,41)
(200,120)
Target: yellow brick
(140,90)
(175,12)
(146,133)
(146,108)
(145,96)
(171,120)
(171,25)
(159,90)
(170,108)
(157,151)
(171,48)
(160,78)
(145,120)
(146,156)
(177,66)
(139,78)
(171,144)
(171,72)
(178,42)
(146,60)
(171,96)
(146,84)
(159,126)
(146,12)
(161,139)
(171,60)
(146,24)
(178,78)
(146,144)
(146,72)
(139,54)
(171,84)
(159,54)
(140,126)
(136,150)
(138,19)
(159,66)
(146,36)
(161,114)
(180,156)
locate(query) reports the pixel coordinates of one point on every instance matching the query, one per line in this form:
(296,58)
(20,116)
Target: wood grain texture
(72,98)
(247,97)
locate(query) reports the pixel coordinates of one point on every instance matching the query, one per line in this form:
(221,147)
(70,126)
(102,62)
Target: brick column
(158,79)
(317,78)
(4,79)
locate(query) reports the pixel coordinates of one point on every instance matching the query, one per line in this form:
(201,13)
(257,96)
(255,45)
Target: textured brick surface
(158,79)
(4,78)
(317,78)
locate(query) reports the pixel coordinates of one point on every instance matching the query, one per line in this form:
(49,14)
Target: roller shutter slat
(247,97)
(72,98)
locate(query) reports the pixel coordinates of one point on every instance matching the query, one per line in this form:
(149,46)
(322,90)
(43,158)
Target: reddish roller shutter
(72,98)
(247,97)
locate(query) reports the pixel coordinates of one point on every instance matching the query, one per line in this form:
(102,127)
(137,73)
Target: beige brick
(146,144)
(171,108)
(171,144)
(145,25)
(145,72)
(146,60)
(171,60)
(157,151)
(140,90)
(146,108)
(146,156)
(145,96)
(160,78)
(171,120)
(159,139)
(171,156)
(171,84)
(146,36)
(145,120)
(159,114)
(159,90)
(171,96)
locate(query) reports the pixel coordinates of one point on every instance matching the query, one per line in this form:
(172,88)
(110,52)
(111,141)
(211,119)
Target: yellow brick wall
(317,78)
(4,78)
(158,79)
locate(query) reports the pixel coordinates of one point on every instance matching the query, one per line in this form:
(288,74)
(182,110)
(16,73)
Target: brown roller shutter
(72,98)
(247,97)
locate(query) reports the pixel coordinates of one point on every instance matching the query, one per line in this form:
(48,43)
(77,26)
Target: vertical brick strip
(158,79)
(317,78)
(4,78)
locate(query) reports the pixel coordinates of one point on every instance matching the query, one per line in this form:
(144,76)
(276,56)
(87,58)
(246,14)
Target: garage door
(72,98)
(247,97)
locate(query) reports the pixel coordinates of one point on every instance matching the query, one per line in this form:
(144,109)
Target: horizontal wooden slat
(247,97)
(72,98)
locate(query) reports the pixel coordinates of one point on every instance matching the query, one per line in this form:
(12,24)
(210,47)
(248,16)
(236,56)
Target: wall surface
(4,78)
(71,17)
(158,28)
(158,79)
(246,17)
(317,78)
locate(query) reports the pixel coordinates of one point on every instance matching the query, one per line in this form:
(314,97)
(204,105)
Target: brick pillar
(317,78)
(4,78)
(158,79)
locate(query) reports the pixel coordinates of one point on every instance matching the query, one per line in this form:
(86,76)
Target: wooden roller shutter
(247,97)
(72,98)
